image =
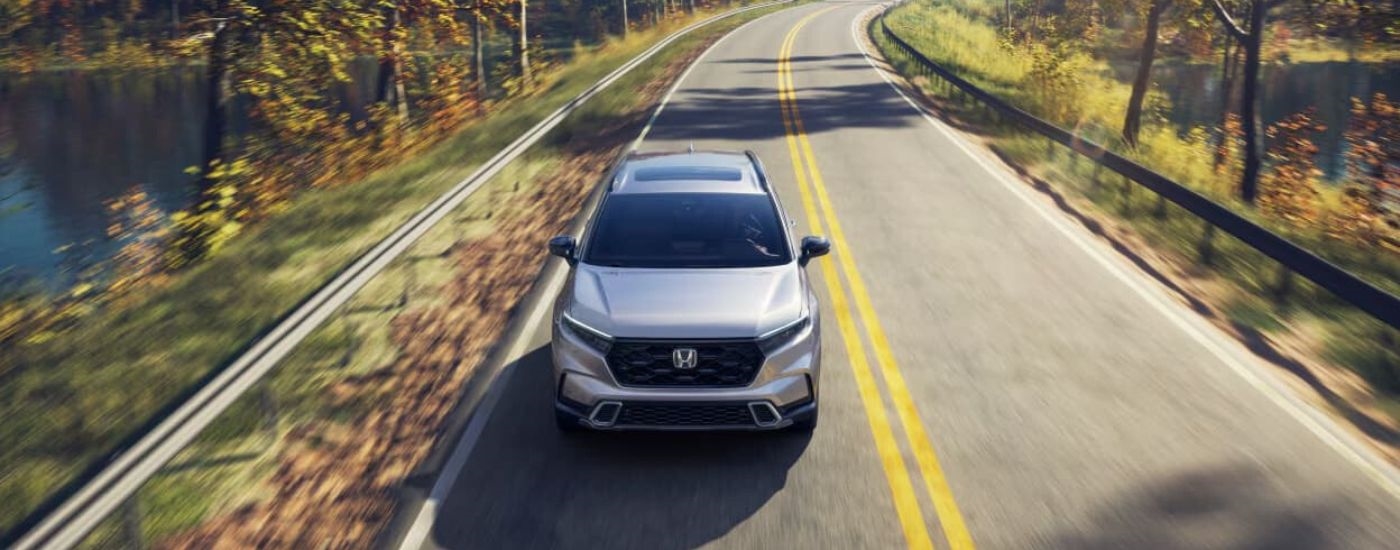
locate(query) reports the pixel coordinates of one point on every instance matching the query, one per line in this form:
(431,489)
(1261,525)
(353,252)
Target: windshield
(687,230)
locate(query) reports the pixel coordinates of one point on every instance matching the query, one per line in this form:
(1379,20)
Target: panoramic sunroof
(688,173)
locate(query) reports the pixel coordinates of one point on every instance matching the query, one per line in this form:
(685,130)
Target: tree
(1252,41)
(389,89)
(1229,65)
(216,95)
(174,18)
(522,45)
(1373,163)
(1178,14)
(478,51)
(1132,121)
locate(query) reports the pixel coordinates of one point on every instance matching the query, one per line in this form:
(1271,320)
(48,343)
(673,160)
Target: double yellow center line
(810,184)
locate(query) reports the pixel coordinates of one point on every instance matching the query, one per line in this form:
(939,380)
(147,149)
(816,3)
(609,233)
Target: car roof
(688,172)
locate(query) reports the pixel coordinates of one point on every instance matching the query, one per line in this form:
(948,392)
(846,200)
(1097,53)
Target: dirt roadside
(335,482)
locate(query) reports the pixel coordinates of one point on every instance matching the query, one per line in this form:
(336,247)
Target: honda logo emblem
(684,358)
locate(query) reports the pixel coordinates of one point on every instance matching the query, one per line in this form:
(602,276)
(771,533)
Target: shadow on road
(1225,506)
(529,486)
(725,111)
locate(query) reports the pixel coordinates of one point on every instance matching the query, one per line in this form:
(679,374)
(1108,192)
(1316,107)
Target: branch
(1229,22)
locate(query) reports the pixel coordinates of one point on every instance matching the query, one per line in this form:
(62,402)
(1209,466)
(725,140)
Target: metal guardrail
(65,519)
(1369,298)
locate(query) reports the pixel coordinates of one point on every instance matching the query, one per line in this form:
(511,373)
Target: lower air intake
(686,415)
(763,413)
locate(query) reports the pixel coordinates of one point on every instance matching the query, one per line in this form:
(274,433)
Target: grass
(1324,50)
(1244,291)
(229,463)
(67,402)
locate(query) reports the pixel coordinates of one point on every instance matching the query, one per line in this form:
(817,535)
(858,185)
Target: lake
(1194,91)
(70,141)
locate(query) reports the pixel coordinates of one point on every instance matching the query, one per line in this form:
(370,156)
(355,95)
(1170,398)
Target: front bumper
(783,392)
(615,415)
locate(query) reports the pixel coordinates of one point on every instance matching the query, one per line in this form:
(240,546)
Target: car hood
(686,303)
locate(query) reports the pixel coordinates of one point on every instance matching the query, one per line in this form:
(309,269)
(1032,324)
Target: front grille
(668,414)
(719,364)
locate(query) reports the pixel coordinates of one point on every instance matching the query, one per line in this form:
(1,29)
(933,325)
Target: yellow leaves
(1230,145)
(1370,213)
(199,233)
(1289,190)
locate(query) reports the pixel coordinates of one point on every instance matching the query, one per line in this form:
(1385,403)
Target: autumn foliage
(1371,200)
(1289,190)
(294,72)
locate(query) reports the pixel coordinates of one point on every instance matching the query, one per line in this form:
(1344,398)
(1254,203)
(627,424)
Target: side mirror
(563,246)
(813,247)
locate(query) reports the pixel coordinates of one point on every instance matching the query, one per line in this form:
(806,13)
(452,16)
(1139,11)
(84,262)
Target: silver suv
(687,306)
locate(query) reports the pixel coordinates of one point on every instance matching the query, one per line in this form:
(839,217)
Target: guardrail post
(1127,197)
(1392,368)
(1285,284)
(1161,211)
(410,281)
(131,523)
(1206,248)
(267,403)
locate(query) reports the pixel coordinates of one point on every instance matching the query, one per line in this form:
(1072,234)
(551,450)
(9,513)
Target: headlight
(778,338)
(591,336)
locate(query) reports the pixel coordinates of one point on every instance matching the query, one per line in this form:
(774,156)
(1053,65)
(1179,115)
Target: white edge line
(423,522)
(1227,351)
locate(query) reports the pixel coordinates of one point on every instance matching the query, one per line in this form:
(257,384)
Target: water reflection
(70,141)
(1194,91)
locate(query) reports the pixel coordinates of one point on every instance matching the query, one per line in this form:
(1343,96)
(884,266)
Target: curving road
(993,377)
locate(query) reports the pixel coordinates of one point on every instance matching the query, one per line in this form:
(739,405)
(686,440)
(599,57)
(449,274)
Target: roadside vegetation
(316,454)
(1056,63)
(125,345)
(281,71)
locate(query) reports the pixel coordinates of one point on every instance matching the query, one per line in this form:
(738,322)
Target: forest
(281,110)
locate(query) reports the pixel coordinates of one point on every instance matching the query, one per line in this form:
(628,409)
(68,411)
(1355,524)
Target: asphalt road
(1052,396)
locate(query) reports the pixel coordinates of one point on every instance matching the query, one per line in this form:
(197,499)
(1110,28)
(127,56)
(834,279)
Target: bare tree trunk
(174,19)
(390,89)
(624,18)
(1252,40)
(1249,108)
(215,111)
(1132,122)
(1229,65)
(479,62)
(524,43)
